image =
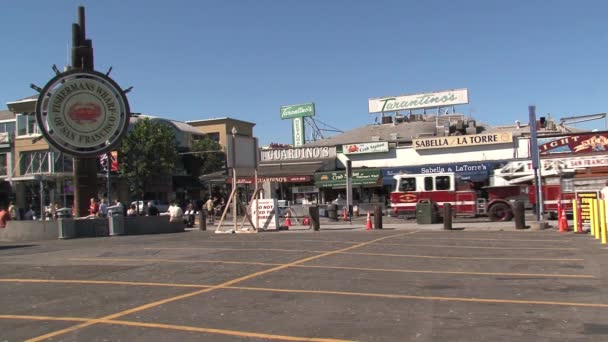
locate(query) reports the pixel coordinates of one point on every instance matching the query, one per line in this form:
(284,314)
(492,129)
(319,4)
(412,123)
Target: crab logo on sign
(82,113)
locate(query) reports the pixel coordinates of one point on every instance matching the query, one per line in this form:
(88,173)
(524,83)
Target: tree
(206,158)
(148,151)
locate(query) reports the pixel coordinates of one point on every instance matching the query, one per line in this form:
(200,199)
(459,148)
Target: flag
(113,161)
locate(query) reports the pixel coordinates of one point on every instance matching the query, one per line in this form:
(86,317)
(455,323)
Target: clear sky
(190,60)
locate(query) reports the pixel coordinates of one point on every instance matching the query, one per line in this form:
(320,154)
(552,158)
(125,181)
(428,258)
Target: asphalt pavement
(340,284)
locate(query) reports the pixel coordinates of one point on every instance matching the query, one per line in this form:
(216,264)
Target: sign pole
(535,162)
(85,169)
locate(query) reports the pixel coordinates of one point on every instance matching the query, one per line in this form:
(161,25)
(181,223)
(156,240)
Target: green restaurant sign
(338,178)
(297,111)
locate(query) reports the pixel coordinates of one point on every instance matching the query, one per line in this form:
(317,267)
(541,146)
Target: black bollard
(447,216)
(202,220)
(313,213)
(377,217)
(519,215)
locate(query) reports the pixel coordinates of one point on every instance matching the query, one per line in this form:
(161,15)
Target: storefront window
(33,162)
(3,165)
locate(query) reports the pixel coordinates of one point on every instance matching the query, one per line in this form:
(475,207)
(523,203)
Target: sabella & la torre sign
(419,101)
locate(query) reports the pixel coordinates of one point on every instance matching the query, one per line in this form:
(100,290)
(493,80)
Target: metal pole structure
(236,194)
(535,161)
(85,169)
(349,189)
(109,166)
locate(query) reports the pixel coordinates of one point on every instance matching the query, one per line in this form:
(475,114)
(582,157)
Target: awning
(295,169)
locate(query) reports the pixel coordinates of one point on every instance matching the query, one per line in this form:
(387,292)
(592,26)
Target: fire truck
(508,184)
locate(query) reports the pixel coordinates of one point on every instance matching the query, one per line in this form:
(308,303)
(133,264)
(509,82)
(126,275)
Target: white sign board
(419,101)
(265,214)
(298,132)
(246,153)
(372,147)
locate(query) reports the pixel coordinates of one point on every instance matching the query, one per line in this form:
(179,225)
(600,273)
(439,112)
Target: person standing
(132,211)
(152,210)
(210,206)
(4,217)
(175,213)
(13,211)
(103,208)
(93,207)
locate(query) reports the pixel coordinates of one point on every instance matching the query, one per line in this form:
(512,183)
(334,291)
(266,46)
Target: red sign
(582,143)
(278,179)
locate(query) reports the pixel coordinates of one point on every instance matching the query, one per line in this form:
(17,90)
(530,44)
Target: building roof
(182,126)
(214,120)
(7,115)
(400,132)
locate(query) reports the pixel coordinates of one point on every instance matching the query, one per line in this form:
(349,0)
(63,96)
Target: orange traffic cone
(368,224)
(306,221)
(345,215)
(563,222)
(287,221)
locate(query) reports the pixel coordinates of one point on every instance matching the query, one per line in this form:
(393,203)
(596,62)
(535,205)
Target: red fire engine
(471,199)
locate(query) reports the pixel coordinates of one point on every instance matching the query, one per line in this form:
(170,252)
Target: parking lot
(343,285)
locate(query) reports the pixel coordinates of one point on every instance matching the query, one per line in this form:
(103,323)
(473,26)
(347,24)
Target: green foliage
(206,159)
(147,152)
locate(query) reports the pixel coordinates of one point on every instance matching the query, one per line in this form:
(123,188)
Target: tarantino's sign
(82,113)
(303,153)
(462,140)
(580,143)
(416,101)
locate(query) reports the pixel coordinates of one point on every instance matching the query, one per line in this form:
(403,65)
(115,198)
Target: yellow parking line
(482,247)
(460,257)
(44,318)
(191,294)
(97,282)
(176,327)
(482,239)
(544,275)
(435,298)
(341,267)
(236,249)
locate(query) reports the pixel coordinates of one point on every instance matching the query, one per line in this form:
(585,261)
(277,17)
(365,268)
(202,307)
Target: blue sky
(191,60)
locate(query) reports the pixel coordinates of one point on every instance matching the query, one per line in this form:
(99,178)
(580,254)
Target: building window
(34,162)
(63,163)
(26,125)
(8,127)
(215,136)
(3,164)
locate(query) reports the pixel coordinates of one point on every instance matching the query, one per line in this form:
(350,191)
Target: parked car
(160,205)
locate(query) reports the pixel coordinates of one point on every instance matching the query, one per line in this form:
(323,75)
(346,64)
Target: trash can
(64,213)
(427,212)
(116,222)
(332,212)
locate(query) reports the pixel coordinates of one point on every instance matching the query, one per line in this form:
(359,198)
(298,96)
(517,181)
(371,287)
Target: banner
(462,140)
(113,161)
(371,147)
(576,143)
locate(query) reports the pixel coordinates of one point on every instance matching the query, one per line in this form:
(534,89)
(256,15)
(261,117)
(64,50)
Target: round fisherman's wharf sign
(82,113)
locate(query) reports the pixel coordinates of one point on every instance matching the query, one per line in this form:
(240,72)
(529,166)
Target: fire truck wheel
(500,212)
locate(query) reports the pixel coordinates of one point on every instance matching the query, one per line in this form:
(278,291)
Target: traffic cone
(287,221)
(561,216)
(345,215)
(306,221)
(368,224)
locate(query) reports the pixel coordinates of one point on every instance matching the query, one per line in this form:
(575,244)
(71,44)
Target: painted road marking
(176,327)
(371,254)
(482,247)
(548,275)
(195,293)
(98,282)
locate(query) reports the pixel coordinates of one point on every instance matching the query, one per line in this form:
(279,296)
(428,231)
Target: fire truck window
(428,183)
(408,184)
(442,183)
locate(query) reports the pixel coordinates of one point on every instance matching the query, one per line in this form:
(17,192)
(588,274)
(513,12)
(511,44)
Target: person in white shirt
(175,213)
